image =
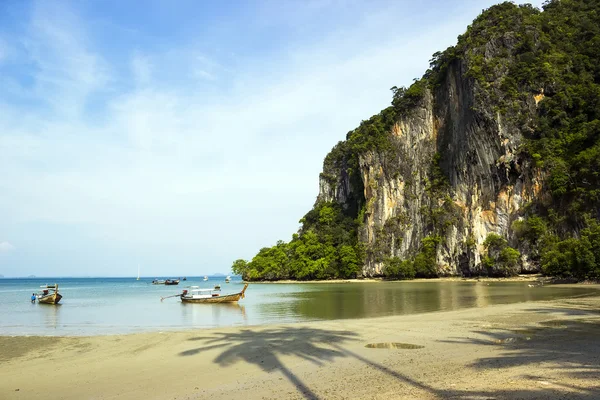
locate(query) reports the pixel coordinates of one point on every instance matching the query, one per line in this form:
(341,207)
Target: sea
(107,306)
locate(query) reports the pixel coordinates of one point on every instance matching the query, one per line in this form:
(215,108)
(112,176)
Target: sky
(182,135)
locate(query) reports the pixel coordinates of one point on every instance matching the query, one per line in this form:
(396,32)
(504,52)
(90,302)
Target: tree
(500,259)
(394,267)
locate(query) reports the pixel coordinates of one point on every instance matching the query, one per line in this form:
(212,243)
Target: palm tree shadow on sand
(263,349)
(318,346)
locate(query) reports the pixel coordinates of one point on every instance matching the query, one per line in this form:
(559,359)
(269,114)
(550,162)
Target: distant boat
(227,279)
(138,278)
(196,295)
(184,278)
(166,282)
(205,278)
(217,287)
(49,298)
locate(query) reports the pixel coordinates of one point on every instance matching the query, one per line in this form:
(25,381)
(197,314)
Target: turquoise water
(100,306)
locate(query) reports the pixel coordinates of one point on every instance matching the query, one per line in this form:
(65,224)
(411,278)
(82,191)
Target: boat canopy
(202,290)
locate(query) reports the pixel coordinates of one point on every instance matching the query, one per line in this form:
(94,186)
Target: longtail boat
(195,295)
(49,298)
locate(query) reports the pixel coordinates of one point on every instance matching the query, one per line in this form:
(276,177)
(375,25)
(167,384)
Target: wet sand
(531,350)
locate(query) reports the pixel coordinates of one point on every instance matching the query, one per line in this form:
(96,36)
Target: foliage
(406,99)
(397,268)
(239,267)
(373,134)
(501,259)
(512,53)
(573,257)
(425,261)
(508,54)
(326,247)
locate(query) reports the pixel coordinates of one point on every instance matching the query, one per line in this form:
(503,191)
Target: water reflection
(225,312)
(51,315)
(214,314)
(120,306)
(339,301)
(481,295)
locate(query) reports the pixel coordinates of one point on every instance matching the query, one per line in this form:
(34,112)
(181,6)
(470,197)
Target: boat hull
(53,298)
(228,298)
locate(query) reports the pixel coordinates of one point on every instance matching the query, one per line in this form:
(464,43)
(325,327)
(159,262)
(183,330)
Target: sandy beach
(529,350)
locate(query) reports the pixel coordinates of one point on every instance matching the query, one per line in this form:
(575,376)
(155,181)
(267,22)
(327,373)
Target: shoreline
(541,349)
(518,278)
(591,289)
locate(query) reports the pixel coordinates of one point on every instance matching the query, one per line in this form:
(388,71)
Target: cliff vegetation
(487,165)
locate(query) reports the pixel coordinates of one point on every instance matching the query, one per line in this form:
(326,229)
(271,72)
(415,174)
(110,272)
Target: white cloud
(203,74)
(5,247)
(67,70)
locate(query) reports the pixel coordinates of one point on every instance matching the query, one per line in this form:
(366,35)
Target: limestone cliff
(456,127)
(489,164)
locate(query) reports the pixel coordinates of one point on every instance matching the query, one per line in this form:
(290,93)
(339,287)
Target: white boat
(205,278)
(138,278)
(197,295)
(227,279)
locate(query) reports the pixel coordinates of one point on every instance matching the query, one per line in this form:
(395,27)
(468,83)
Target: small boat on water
(46,297)
(184,278)
(205,278)
(227,279)
(217,287)
(197,295)
(166,282)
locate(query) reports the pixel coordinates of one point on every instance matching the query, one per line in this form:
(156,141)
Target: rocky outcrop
(456,129)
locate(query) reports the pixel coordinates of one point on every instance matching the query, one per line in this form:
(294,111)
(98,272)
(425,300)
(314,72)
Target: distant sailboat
(138,278)
(205,278)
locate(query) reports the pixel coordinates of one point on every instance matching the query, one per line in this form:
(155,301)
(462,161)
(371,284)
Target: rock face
(455,130)
(487,165)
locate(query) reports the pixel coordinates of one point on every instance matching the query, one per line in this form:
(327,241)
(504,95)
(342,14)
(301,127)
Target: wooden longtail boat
(209,296)
(49,298)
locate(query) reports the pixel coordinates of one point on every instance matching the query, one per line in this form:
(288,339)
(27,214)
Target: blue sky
(182,135)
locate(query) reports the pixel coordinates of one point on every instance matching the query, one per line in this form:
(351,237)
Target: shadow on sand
(571,344)
(264,348)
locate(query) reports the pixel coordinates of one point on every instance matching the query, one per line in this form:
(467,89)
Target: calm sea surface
(100,306)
